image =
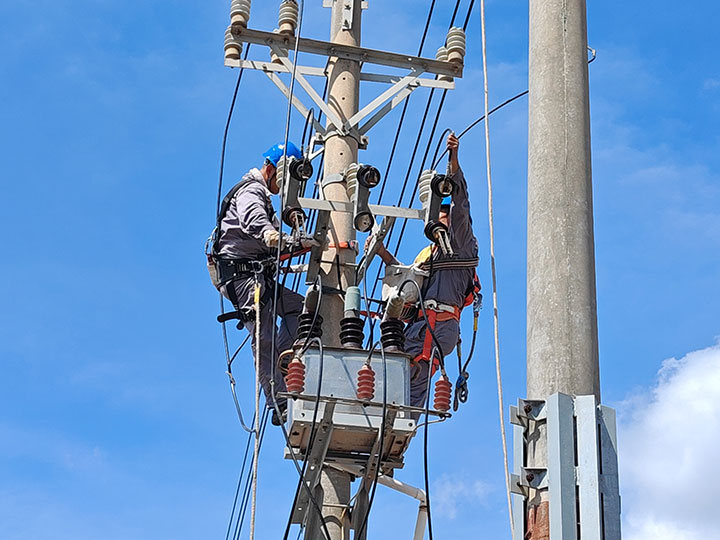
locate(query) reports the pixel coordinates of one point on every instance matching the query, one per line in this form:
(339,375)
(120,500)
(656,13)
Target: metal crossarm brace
(296,101)
(377,210)
(347,52)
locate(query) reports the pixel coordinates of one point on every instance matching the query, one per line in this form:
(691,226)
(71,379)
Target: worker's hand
(308,242)
(271,238)
(380,246)
(453,143)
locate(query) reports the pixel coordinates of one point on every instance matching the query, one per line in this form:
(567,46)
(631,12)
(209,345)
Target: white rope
(256,452)
(501,404)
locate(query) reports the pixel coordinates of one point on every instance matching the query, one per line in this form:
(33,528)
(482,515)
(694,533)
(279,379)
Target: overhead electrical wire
(311,436)
(381,442)
(417,142)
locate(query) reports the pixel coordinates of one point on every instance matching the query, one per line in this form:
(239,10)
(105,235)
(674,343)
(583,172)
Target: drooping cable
(256,453)
(417,142)
(491,221)
(381,442)
(426,472)
(248,481)
(225,133)
(313,428)
(240,481)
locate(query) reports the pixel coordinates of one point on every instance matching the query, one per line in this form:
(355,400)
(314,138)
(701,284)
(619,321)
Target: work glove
(308,242)
(271,238)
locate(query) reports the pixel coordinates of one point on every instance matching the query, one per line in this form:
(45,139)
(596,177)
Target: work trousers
(289,306)
(447,333)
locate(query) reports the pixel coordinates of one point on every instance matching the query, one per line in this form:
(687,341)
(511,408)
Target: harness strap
(451,264)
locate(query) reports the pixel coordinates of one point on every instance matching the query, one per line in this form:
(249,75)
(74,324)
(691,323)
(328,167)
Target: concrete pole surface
(562,342)
(340,151)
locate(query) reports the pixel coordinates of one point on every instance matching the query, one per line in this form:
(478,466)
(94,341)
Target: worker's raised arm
(462,237)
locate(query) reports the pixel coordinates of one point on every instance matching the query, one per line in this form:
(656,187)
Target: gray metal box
(354,426)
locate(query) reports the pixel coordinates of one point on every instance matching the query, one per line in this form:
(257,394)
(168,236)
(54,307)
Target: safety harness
(439,312)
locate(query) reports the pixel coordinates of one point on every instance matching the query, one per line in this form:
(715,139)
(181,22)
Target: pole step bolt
(295,379)
(240,12)
(443,391)
(366,383)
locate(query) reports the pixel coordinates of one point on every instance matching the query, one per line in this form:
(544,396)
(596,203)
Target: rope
(492,265)
(256,452)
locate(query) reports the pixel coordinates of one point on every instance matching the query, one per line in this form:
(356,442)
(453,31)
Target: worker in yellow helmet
(450,285)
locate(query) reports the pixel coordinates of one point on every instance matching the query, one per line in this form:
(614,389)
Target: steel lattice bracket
(581,473)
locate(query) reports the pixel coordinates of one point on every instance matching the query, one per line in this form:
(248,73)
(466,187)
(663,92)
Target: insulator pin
(288,17)
(233,48)
(443,391)
(366,383)
(240,12)
(295,378)
(456,45)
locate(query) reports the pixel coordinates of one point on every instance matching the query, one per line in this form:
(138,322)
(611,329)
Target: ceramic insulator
(288,17)
(443,391)
(366,383)
(351,180)
(456,45)
(274,58)
(424,185)
(295,379)
(442,56)
(240,12)
(283,170)
(233,48)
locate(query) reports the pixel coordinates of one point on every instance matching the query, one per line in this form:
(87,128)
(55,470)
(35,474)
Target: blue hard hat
(277,151)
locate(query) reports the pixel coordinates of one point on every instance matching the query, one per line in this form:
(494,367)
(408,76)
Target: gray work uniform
(248,217)
(448,286)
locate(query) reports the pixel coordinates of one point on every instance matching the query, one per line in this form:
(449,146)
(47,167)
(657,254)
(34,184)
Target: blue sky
(115,415)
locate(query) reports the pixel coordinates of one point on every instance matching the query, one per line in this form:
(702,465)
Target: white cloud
(711,84)
(669,444)
(451,492)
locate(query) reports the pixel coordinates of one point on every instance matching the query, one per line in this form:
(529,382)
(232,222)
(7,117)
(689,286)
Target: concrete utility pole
(340,151)
(562,343)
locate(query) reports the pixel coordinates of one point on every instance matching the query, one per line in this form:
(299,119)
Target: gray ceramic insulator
(352,299)
(394,307)
(311,300)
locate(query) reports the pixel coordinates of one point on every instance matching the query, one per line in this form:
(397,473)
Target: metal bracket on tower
(581,472)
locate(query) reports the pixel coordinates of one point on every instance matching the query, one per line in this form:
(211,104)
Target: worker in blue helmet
(244,251)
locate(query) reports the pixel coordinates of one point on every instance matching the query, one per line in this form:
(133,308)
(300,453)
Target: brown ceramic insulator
(443,391)
(366,383)
(295,379)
